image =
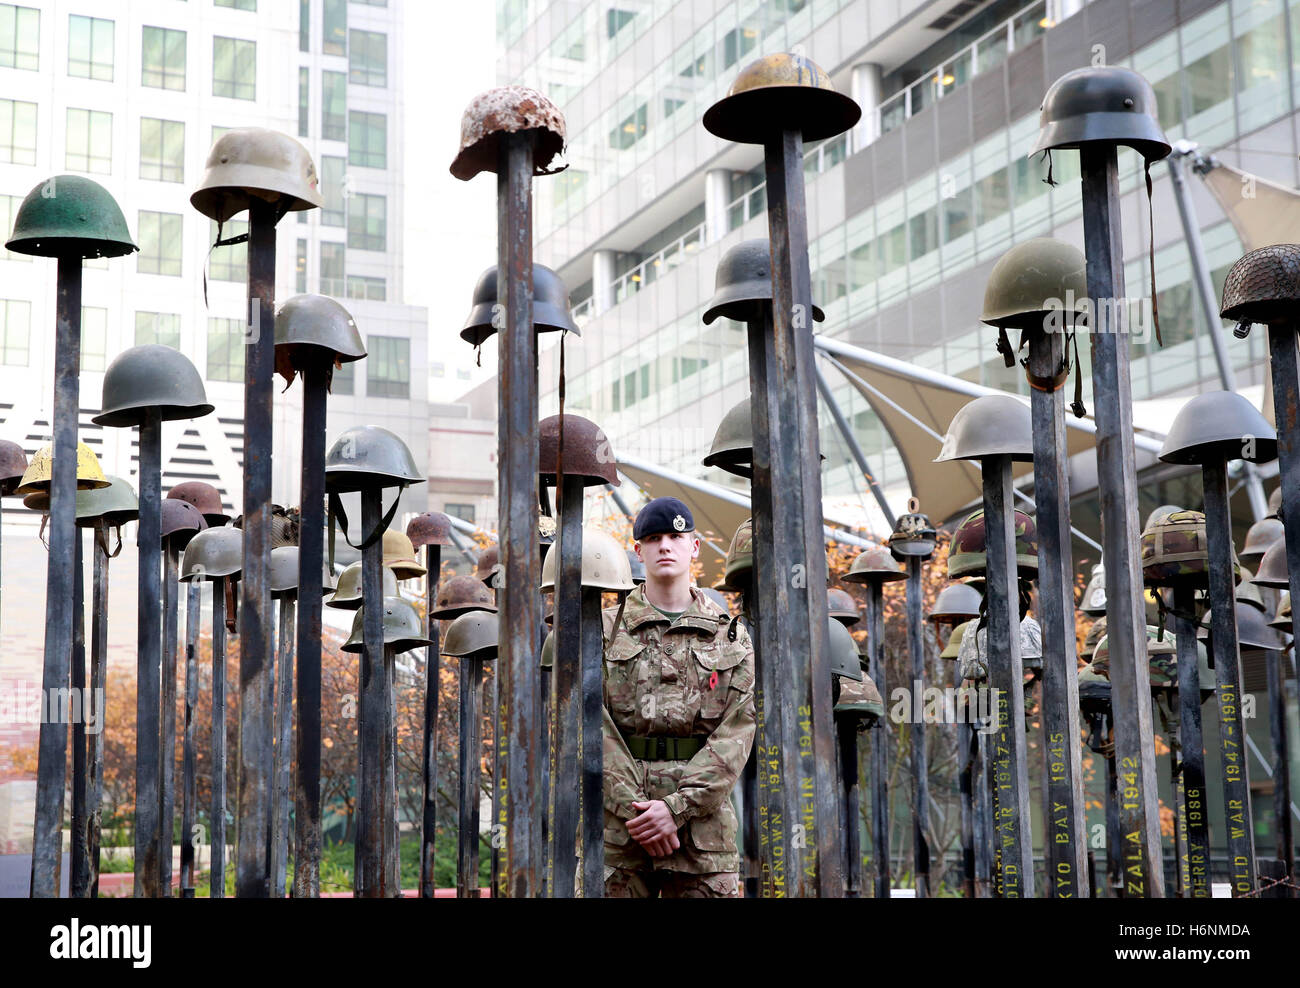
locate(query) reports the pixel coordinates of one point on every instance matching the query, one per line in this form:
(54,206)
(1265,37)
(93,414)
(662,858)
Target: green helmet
(733,443)
(548,650)
(844,652)
(367,456)
(473,634)
(968,557)
(739,572)
(743,284)
(347,595)
(953,649)
(70,216)
(403,629)
(115,504)
(1163,672)
(1176,548)
(859,701)
(151,377)
(875,565)
(1031,276)
(1159,647)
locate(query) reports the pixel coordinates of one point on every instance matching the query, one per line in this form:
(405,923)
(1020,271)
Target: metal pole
(879,741)
(432,655)
(848,742)
(1227,671)
(167,749)
(1285,366)
(284,738)
(79,880)
(98,689)
(1117,492)
(372,710)
(1192,743)
(149,658)
(920,763)
(982,789)
(392,864)
(1114,850)
(1281,763)
(217,815)
(569,673)
(47,834)
(590,746)
(751,808)
(469,756)
(252,876)
(1006,676)
(189,786)
(851,440)
(967,752)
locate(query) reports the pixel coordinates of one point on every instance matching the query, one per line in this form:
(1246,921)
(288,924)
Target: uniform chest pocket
(620,675)
(719,665)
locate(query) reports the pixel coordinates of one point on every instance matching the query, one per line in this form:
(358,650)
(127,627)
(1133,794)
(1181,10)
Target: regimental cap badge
(679,523)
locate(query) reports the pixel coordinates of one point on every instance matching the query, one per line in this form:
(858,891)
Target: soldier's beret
(663,514)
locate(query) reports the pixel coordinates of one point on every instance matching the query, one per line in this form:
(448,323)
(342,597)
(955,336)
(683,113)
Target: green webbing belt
(663,749)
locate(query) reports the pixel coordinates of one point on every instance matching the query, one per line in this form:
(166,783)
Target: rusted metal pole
(590,746)
(167,749)
(388,776)
(372,710)
(1114,837)
(1192,743)
(470,756)
(217,814)
(284,738)
(848,743)
(967,752)
(149,659)
(920,763)
(568,672)
(252,876)
(753,811)
(79,879)
(1284,363)
(98,690)
(1282,827)
(429,820)
(879,741)
(189,786)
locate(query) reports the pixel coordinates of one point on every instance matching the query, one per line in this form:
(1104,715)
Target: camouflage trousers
(625,883)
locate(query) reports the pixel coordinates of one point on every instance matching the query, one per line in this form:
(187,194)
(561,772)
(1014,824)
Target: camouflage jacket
(660,681)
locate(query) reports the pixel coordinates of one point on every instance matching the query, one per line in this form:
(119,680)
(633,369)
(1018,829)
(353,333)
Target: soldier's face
(668,555)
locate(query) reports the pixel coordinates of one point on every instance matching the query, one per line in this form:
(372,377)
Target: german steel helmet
(70,216)
(488,565)
(637,565)
(1029,278)
(876,565)
(968,556)
(368,456)
(587,453)
(913,534)
(458,595)
(507,110)
(1096,631)
(402,628)
(1275,503)
(347,595)
(1259,537)
(843,652)
(604,563)
(738,572)
(842,607)
(1273,569)
(956,602)
(37,476)
(1219,424)
(13,464)
(151,377)
(783,91)
(551,310)
(474,634)
(991,425)
(733,442)
(1158,644)
(252,162)
(952,649)
(1175,548)
(114,505)
(203,496)
(399,556)
(314,328)
(860,701)
(1262,286)
(1282,620)
(1094,594)
(744,280)
(430,528)
(1248,591)
(1104,104)
(1254,631)
(181,521)
(212,554)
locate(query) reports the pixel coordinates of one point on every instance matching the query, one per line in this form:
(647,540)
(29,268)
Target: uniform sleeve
(622,774)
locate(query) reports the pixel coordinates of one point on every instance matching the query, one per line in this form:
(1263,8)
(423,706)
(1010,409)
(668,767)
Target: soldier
(678,724)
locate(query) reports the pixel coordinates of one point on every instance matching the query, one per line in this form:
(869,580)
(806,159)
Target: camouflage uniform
(687,679)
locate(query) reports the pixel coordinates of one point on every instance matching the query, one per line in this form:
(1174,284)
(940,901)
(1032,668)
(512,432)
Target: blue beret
(663,514)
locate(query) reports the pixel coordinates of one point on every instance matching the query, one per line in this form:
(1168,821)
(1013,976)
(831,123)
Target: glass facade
(162,150)
(158,327)
(367,139)
(388,367)
(234,68)
(225,350)
(17,132)
(15,332)
(89,141)
(159,237)
(90,48)
(368,58)
(162,58)
(229,263)
(94,338)
(20,37)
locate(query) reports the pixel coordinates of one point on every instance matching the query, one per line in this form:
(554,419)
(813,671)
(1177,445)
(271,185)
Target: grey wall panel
(1108,25)
(988,103)
(921,142)
(1187,9)
(1067,47)
(888,163)
(1025,80)
(954,123)
(859,183)
(1152,19)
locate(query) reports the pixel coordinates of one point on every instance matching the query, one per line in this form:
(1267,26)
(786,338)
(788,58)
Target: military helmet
(403,629)
(1282,620)
(181,521)
(968,555)
(784,90)
(637,566)
(548,650)
(39,472)
(1094,594)
(1158,644)
(1030,276)
(733,442)
(1096,631)
(913,535)
(1262,286)
(1219,425)
(842,607)
(1254,631)
(13,464)
(314,329)
(875,565)
(203,496)
(843,652)
(743,281)
(474,634)
(70,216)
(368,456)
(488,565)
(972,650)
(952,649)
(604,563)
(991,425)
(348,594)
(1275,503)
(252,162)
(1175,549)
(114,505)
(956,602)
(550,306)
(284,572)
(1104,104)
(213,553)
(1273,569)
(1259,537)
(546,531)
(739,569)
(1248,591)
(1160,513)
(399,556)
(717,599)
(859,701)
(587,453)
(430,528)
(151,377)
(1031,644)
(458,595)
(507,110)
(1094,691)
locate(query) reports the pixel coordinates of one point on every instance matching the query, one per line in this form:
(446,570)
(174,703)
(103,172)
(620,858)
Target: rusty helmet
(991,425)
(368,456)
(1259,537)
(875,565)
(842,607)
(253,162)
(1273,569)
(1262,286)
(399,556)
(403,629)
(39,473)
(743,283)
(784,90)
(488,566)
(1219,425)
(1282,620)
(347,595)
(181,521)
(956,602)
(733,442)
(430,528)
(459,594)
(1101,104)
(587,453)
(1275,503)
(70,216)
(314,329)
(968,556)
(551,310)
(507,110)
(203,496)
(1034,280)
(13,464)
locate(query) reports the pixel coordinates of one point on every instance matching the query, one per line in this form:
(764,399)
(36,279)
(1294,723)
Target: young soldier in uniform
(678,725)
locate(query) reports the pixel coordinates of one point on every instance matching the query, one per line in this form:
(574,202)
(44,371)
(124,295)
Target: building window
(17,132)
(462,374)
(367,222)
(331,269)
(367,139)
(388,367)
(163,58)
(465,512)
(373,289)
(438,369)
(333,211)
(20,37)
(162,150)
(304,85)
(300,268)
(372,3)
(8,211)
(335,38)
(333,106)
(344,381)
(225,349)
(630,130)
(94,338)
(89,145)
(160,243)
(234,68)
(237,4)
(228,263)
(304,25)
(368,58)
(90,48)
(14,332)
(158,327)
